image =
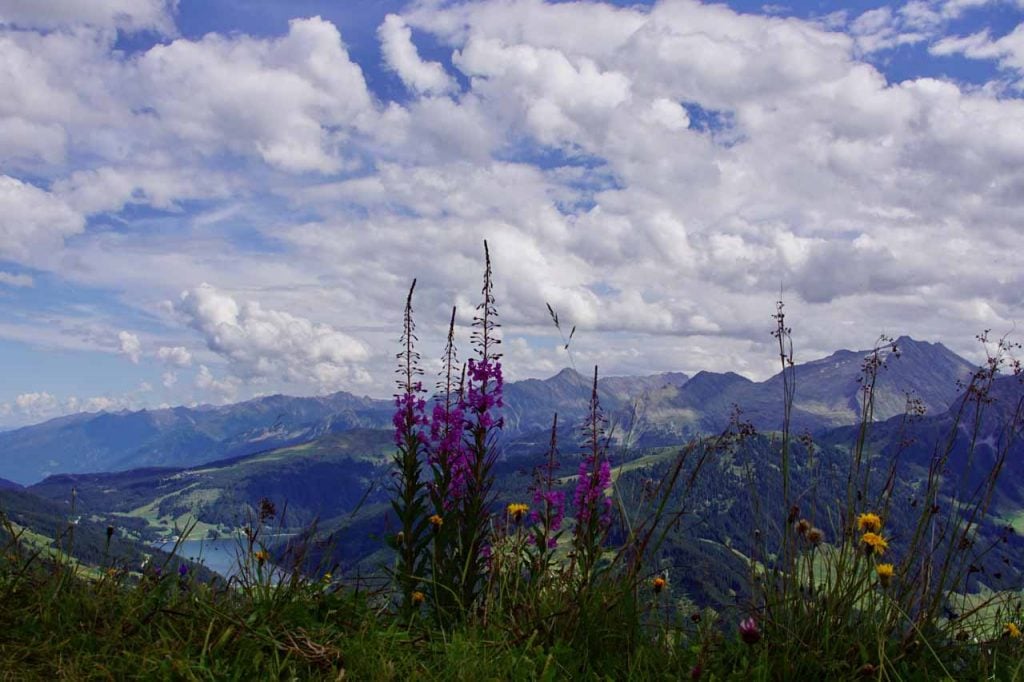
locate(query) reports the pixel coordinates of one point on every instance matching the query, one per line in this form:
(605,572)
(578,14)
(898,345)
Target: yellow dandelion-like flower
(327,578)
(517,511)
(874,543)
(1011,630)
(418,598)
(885,573)
(261,556)
(436,521)
(658,584)
(869,523)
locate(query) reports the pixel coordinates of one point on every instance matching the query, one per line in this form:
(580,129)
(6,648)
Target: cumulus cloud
(262,344)
(129,15)
(174,356)
(130,345)
(289,100)
(225,389)
(401,56)
(36,405)
(33,222)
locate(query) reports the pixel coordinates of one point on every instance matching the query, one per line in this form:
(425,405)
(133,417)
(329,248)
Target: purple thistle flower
(749,632)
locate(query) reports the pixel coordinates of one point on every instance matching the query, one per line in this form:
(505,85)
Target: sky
(203,201)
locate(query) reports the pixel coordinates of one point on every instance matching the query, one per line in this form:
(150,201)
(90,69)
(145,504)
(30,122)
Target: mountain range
(326,460)
(653,409)
(340,482)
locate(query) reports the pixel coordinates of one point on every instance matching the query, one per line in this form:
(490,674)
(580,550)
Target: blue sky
(207,200)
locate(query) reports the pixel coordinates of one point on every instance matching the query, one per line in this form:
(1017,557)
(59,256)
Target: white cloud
(289,100)
(262,344)
(16,280)
(1007,50)
(129,345)
(36,405)
(169,379)
(129,15)
(33,222)
(174,356)
(401,56)
(226,389)
(881,29)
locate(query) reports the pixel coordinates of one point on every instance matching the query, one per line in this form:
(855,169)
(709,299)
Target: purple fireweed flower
(594,479)
(447,447)
(553,503)
(410,415)
(749,632)
(484,391)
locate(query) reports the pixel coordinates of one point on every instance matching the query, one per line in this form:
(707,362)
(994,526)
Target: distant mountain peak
(568,374)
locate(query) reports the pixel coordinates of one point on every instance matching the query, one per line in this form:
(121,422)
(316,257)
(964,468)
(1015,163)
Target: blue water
(220,556)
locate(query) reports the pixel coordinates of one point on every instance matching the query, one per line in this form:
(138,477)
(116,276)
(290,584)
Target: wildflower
(869,523)
(261,556)
(436,521)
(658,584)
(749,632)
(517,510)
(874,543)
(1011,630)
(418,598)
(327,578)
(815,536)
(111,572)
(595,477)
(182,570)
(885,572)
(802,526)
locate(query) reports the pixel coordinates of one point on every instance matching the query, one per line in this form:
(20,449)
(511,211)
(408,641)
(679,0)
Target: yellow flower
(261,556)
(517,511)
(327,578)
(436,521)
(658,584)
(885,573)
(869,523)
(418,598)
(111,572)
(874,544)
(1011,630)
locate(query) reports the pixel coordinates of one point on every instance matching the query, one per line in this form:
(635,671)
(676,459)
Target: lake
(220,555)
